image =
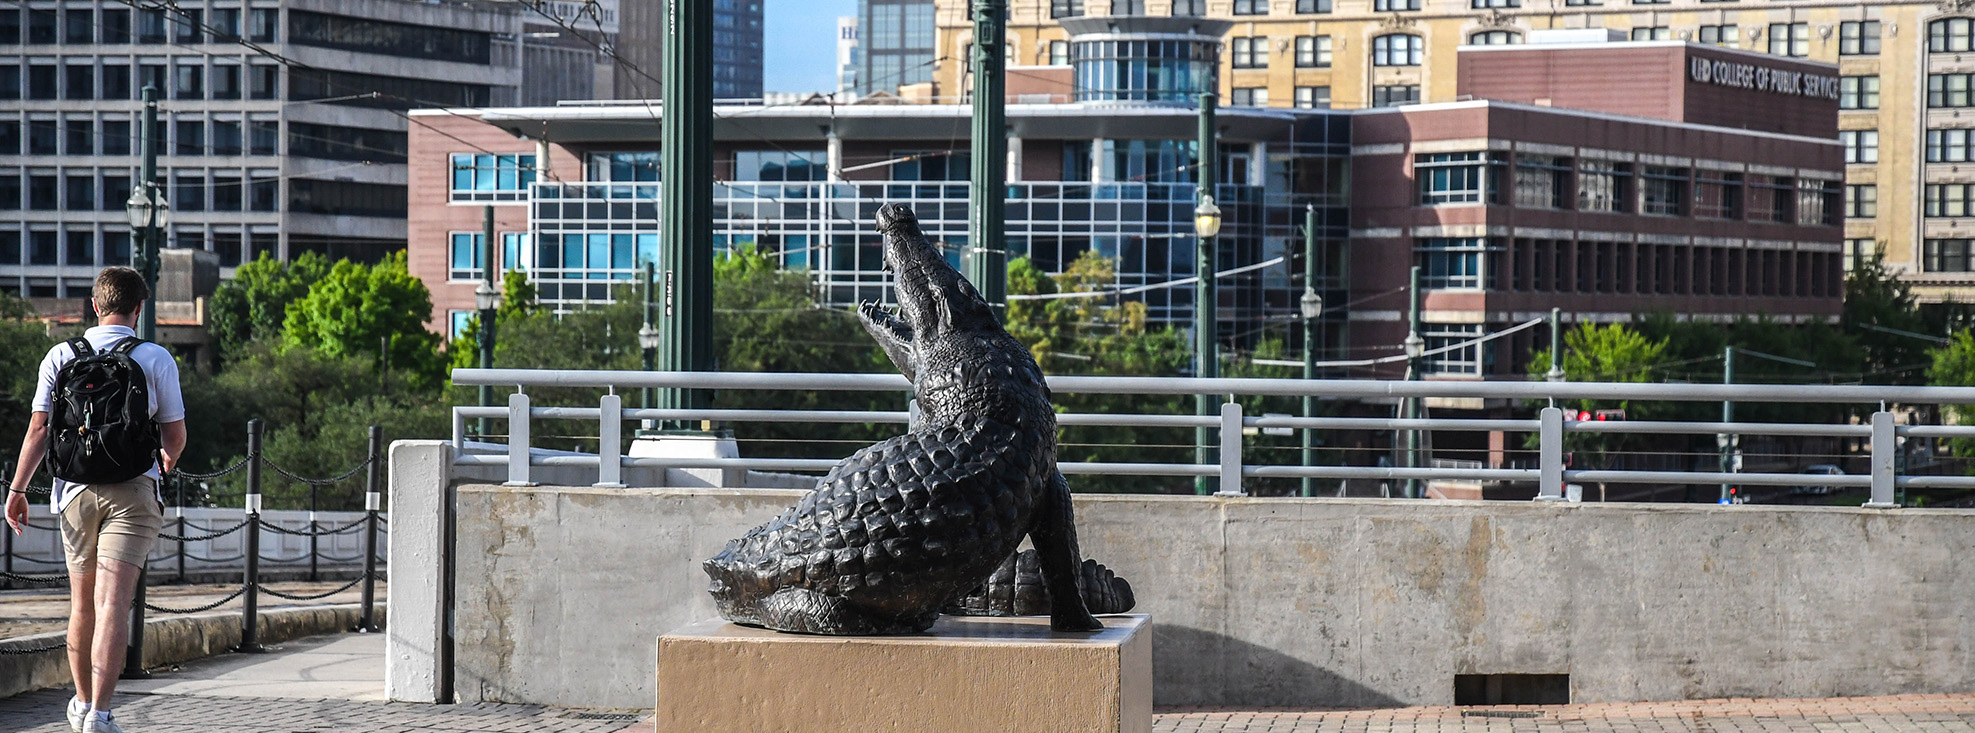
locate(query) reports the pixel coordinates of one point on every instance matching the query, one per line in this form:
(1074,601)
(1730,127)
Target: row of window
(183,135)
(112,26)
(1548,182)
(64,247)
(224,190)
(189,78)
(1595,267)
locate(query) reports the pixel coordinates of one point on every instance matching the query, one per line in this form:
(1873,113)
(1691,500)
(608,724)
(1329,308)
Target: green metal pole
(148,235)
(987,250)
(1556,347)
(650,354)
(486,314)
(685,323)
(1413,369)
(1727,441)
(1206,357)
(1310,337)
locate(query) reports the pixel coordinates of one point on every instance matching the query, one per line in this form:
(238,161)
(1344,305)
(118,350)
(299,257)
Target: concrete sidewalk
(335,683)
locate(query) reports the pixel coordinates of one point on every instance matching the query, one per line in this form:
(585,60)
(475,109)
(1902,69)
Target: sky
(800,44)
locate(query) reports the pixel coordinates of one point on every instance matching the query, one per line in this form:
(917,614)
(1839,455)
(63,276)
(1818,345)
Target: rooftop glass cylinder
(1144,59)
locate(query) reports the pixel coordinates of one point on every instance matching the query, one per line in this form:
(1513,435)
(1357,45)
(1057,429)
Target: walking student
(109,419)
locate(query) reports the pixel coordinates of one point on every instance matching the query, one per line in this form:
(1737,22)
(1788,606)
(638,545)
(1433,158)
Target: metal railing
(1550,425)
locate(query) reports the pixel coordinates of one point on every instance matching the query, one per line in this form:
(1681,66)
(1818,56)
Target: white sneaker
(101,722)
(78,710)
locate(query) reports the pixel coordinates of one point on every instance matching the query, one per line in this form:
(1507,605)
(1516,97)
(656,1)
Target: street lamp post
(685,257)
(987,242)
(1206,225)
(1313,308)
(648,339)
(149,213)
(486,299)
(1415,353)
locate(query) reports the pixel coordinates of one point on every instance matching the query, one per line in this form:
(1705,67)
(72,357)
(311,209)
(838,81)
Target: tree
(1954,366)
(1875,298)
(254,304)
(1602,353)
(23,341)
(369,311)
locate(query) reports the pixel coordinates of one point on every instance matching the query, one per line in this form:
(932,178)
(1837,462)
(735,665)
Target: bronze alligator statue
(899,529)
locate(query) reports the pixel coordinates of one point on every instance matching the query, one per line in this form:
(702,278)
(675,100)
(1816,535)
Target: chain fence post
(179,485)
(1885,446)
(1550,454)
(133,650)
(314,575)
(1230,449)
(372,501)
(250,631)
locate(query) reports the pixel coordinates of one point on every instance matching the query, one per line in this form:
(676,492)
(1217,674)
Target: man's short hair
(119,291)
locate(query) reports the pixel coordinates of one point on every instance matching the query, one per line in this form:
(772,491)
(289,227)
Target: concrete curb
(174,639)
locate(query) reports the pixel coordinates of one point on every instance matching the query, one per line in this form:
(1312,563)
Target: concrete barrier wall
(1305,602)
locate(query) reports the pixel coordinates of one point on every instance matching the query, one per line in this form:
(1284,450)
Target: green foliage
(254,304)
(359,310)
(1603,353)
(23,341)
(1954,366)
(1873,297)
(1091,336)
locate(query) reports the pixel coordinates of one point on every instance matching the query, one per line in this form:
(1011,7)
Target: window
(514,247)
(1465,360)
(1817,202)
(1396,49)
(1057,9)
(42,194)
(483,177)
(1312,52)
(43,248)
(81,192)
(1456,178)
(1250,53)
(1450,262)
(116,137)
(82,247)
(188,26)
(191,137)
(1251,7)
(81,134)
(79,81)
(265,82)
(41,27)
(225,24)
(1861,146)
(1862,201)
(1945,255)
(188,193)
(1948,200)
(1651,33)
(116,81)
(41,81)
(261,24)
(10,200)
(346,198)
(1395,95)
(1949,35)
(1059,53)
(1495,38)
(41,137)
(463,262)
(779,165)
(264,191)
(338,142)
(1582,3)
(1862,92)
(264,137)
(114,28)
(1717,194)
(226,137)
(1604,186)
(1313,97)
(189,82)
(1128,7)
(1721,35)
(1306,7)
(1250,97)
(150,26)
(78,26)
(1858,38)
(227,192)
(1772,199)
(10,81)
(1485,4)
(1943,146)
(1540,180)
(1189,7)
(226,81)
(1944,90)
(116,190)
(1388,6)
(10,137)
(1650,2)
(1663,190)
(1789,39)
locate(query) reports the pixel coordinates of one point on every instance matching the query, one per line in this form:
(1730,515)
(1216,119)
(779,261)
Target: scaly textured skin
(1016,589)
(898,529)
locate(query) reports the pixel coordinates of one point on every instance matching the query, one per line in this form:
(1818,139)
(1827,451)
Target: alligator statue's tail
(1016,589)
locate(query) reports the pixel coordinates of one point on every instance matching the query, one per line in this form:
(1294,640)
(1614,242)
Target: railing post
(610,430)
(517,440)
(1550,454)
(459,433)
(133,650)
(1884,447)
(373,499)
(250,626)
(1230,449)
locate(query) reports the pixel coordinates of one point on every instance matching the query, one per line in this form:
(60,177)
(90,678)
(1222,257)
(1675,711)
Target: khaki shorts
(118,521)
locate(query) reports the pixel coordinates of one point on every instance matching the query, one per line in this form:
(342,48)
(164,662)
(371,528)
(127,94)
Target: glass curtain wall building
(897,44)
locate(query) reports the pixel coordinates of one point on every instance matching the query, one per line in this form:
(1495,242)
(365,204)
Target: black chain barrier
(314,596)
(40,579)
(319,481)
(200,609)
(16,652)
(285,560)
(202,538)
(215,560)
(354,524)
(182,473)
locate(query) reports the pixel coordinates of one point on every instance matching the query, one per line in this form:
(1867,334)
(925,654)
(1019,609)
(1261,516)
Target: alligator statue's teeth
(901,528)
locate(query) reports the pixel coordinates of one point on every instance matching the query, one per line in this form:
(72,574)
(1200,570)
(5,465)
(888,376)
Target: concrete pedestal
(1005,675)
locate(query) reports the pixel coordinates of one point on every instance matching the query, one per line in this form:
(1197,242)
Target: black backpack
(100,429)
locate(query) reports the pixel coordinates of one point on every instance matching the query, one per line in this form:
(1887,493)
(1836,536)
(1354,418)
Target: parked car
(1818,469)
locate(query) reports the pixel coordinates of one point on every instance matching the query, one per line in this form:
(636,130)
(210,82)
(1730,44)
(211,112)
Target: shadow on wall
(1248,674)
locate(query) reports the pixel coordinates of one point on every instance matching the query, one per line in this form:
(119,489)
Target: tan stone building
(1908,76)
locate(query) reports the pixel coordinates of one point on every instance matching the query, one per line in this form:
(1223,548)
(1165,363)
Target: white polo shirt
(160,372)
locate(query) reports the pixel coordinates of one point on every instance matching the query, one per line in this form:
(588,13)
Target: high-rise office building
(736,49)
(281,126)
(897,44)
(1905,77)
(848,59)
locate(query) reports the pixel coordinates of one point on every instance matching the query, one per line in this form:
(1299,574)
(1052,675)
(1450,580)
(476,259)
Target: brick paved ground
(40,712)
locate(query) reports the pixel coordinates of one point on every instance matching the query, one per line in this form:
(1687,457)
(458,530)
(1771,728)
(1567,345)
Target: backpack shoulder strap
(79,347)
(128,345)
